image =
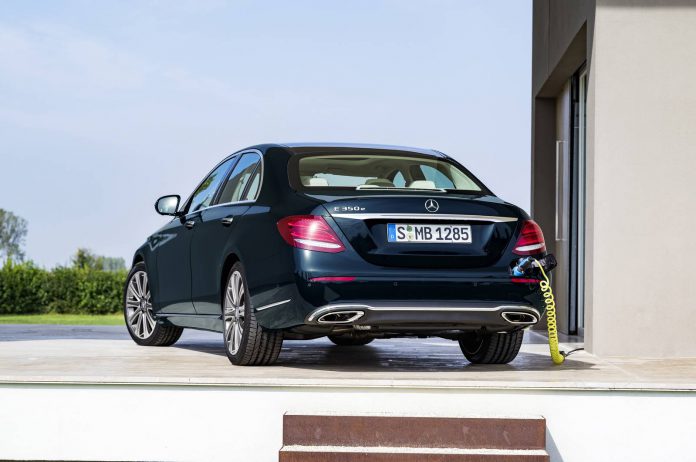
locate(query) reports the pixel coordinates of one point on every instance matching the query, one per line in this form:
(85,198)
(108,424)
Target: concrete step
(415,432)
(400,454)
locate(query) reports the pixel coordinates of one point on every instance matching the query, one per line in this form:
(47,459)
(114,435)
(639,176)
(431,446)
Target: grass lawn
(67,319)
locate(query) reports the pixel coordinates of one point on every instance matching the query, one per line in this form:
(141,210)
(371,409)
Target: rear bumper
(463,303)
(424,292)
(420,315)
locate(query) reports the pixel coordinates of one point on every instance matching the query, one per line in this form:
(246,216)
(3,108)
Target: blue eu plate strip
(391,232)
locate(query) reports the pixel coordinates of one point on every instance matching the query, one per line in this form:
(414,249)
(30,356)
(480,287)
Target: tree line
(90,284)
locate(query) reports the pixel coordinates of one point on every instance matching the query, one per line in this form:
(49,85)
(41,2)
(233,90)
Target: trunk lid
(364,219)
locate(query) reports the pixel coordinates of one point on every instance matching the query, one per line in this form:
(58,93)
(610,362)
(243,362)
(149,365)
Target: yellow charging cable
(556,355)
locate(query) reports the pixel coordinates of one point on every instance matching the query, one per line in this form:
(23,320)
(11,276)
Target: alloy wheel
(139,315)
(235,301)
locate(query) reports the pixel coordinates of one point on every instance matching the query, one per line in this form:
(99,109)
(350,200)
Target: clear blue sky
(104,106)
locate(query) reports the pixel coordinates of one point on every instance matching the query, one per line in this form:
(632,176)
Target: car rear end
(406,243)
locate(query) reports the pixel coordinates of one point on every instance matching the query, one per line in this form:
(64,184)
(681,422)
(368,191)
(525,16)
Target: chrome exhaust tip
(519,317)
(340,317)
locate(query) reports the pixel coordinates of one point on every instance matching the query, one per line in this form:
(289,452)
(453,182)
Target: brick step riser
(435,432)
(400,457)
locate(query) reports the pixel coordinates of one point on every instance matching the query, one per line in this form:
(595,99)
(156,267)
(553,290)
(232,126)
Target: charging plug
(522,267)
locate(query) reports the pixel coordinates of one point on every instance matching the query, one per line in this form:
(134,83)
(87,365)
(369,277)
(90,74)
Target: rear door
(435,226)
(217,231)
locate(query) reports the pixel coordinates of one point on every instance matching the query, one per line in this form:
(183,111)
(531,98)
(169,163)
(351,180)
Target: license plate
(445,234)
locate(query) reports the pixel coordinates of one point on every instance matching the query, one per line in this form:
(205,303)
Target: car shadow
(210,347)
(394,355)
(368,359)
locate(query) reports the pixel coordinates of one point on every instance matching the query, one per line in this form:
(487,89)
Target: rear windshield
(379,171)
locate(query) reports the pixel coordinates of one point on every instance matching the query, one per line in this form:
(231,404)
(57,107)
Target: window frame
(235,157)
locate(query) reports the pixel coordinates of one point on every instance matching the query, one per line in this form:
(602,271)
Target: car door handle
(227,221)
(190,224)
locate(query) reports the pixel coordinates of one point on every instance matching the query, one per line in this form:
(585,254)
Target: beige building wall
(642,180)
(641,164)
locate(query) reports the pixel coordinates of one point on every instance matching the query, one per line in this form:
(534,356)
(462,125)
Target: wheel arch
(229,262)
(138,258)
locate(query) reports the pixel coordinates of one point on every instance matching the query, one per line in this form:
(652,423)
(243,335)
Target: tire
(350,340)
(491,348)
(137,312)
(246,342)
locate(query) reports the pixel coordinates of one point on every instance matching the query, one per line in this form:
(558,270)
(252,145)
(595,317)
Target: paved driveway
(205,349)
(106,354)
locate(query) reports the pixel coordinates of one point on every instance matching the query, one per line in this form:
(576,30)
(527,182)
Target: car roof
(338,148)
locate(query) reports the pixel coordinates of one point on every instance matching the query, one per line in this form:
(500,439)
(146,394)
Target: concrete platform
(90,393)
(105,354)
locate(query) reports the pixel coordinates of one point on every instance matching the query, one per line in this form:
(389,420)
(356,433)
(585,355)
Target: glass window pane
(254,186)
(240,177)
(437,177)
(399,180)
(376,171)
(204,195)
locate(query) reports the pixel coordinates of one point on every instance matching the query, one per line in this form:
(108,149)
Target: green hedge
(25,289)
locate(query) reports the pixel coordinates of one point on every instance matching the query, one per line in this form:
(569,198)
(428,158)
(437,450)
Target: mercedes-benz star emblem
(431,205)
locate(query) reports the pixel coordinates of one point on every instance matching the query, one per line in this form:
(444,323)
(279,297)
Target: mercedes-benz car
(354,242)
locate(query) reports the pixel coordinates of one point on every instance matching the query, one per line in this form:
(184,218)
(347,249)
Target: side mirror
(168,205)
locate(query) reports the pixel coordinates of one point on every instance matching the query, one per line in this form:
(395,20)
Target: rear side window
(379,171)
(254,184)
(247,172)
(399,180)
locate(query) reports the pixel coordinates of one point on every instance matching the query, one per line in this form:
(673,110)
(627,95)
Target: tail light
(310,232)
(531,240)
